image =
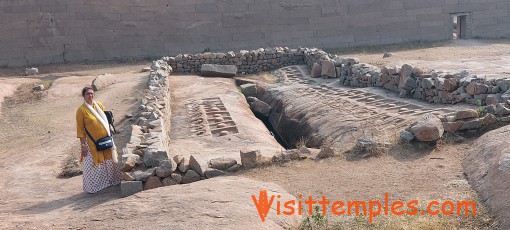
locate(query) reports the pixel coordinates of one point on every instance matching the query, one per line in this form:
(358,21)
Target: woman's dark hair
(85,89)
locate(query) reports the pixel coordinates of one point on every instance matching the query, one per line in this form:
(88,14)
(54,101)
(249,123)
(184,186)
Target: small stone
(177,177)
(235,168)
(128,115)
(328,69)
(38,88)
(152,182)
(168,181)
(190,177)
(249,89)
(250,158)
(405,135)
(31,71)
(198,165)
(466,114)
(489,119)
(316,70)
(429,128)
(210,173)
(325,152)
(139,175)
(126,176)
(452,126)
(183,165)
(304,150)
(491,99)
(166,168)
(155,124)
(178,158)
(155,66)
(387,55)
(472,124)
(129,162)
(153,157)
(260,108)
(222,163)
(146,69)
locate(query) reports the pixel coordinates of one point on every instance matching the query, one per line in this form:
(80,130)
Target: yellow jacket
(85,119)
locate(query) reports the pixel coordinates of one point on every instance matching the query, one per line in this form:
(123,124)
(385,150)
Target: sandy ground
(478,57)
(36,137)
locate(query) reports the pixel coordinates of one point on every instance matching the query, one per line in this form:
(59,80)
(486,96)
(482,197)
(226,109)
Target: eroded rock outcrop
(487,169)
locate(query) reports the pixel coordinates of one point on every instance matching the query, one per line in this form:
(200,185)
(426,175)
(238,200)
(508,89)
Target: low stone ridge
(253,61)
(408,81)
(213,70)
(102,81)
(468,119)
(145,161)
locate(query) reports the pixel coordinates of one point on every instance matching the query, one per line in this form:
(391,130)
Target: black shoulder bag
(103,143)
(109,116)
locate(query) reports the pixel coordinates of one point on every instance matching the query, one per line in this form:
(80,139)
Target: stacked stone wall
(57,31)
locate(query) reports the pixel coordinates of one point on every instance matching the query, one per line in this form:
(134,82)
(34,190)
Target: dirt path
(36,138)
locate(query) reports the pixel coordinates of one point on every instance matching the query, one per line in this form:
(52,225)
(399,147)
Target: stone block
(198,165)
(166,168)
(466,114)
(190,177)
(429,128)
(222,163)
(214,70)
(152,182)
(153,157)
(210,173)
(316,70)
(249,89)
(250,158)
(129,188)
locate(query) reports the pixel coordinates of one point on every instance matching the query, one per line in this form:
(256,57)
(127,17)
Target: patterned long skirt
(99,177)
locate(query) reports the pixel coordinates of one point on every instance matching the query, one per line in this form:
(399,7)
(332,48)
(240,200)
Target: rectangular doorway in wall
(459,23)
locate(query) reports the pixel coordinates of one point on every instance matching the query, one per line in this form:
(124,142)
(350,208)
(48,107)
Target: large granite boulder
(487,169)
(223,202)
(429,128)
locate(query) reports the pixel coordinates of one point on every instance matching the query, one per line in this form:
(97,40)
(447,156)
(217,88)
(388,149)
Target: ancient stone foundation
(414,82)
(146,162)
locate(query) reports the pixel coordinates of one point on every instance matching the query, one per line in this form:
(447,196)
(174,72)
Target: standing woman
(100,168)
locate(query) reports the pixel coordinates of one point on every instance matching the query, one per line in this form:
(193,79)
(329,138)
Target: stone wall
(253,61)
(56,31)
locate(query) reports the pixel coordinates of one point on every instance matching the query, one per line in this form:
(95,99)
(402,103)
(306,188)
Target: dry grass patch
(266,77)
(71,166)
(26,94)
(318,221)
